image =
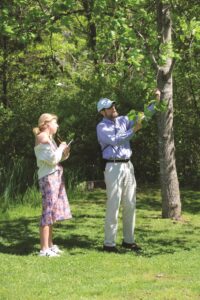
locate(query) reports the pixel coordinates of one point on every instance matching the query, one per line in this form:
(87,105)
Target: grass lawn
(168,268)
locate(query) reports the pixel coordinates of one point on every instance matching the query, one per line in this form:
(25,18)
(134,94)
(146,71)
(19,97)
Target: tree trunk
(3,73)
(171,204)
(88,7)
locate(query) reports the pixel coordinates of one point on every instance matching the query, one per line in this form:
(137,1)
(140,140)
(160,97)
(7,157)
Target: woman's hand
(66,151)
(63,146)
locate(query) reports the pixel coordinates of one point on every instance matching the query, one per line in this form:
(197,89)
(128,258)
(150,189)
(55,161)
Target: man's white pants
(120,187)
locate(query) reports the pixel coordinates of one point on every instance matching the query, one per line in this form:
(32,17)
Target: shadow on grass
(156,242)
(21,237)
(18,237)
(151,200)
(85,232)
(190,201)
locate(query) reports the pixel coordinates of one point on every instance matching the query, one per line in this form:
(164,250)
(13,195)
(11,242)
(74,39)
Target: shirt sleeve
(151,107)
(46,154)
(130,124)
(109,137)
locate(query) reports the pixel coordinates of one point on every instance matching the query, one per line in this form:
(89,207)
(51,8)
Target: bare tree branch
(71,12)
(155,63)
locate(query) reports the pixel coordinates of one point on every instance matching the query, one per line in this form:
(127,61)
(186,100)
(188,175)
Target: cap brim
(113,102)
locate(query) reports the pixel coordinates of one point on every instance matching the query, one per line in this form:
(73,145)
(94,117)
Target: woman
(55,206)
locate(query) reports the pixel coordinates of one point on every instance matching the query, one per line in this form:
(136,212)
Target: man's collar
(109,120)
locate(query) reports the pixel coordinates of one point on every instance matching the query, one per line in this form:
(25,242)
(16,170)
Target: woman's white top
(48,156)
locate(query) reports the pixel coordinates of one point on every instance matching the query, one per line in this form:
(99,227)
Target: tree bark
(3,73)
(171,203)
(88,6)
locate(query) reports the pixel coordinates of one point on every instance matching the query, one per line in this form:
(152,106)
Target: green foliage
(62,56)
(149,110)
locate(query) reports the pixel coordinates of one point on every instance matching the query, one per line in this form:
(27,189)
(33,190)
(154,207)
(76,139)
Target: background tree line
(62,56)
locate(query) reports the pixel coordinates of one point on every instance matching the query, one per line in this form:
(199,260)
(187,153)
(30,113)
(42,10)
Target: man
(114,133)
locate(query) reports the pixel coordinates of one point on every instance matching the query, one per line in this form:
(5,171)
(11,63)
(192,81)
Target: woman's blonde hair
(42,122)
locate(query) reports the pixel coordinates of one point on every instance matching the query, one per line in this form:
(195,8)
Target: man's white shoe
(56,250)
(48,253)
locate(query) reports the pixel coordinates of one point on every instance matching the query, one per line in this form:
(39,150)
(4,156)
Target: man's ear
(102,112)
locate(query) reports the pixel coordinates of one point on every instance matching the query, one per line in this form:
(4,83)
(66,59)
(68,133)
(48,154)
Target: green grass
(167,269)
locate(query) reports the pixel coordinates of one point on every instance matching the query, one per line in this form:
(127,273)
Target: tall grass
(19,183)
(15,178)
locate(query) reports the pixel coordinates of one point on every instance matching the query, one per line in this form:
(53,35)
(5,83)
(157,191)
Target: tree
(61,56)
(171,204)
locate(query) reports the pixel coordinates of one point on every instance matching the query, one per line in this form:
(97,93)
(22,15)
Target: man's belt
(117,160)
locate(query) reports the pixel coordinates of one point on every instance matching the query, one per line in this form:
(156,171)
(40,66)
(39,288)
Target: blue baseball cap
(104,103)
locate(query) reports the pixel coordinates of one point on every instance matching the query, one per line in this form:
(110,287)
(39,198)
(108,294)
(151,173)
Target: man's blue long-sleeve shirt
(114,137)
